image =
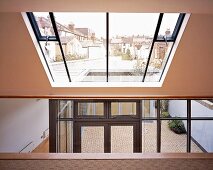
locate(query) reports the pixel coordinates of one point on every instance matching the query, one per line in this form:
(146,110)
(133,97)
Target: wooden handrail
(103,156)
(107,97)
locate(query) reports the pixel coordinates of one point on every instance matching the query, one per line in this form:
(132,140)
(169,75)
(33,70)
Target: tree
(128,53)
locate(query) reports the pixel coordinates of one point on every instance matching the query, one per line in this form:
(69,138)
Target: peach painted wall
(191,6)
(21,72)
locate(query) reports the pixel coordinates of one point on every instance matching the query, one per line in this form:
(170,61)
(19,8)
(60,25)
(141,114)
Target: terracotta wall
(21,72)
(192,6)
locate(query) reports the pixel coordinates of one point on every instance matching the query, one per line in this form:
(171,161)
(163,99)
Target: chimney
(71,26)
(93,37)
(167,32)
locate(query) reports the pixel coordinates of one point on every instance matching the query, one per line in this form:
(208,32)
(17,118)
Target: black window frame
(108,121)
(55,38)
(76,109)
(156,39)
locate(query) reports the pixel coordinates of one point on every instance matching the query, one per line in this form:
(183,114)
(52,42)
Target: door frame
(107,134)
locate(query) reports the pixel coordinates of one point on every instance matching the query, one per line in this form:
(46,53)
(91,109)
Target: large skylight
(88,48)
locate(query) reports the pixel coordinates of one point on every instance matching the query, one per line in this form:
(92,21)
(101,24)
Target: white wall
(178,108)
(22,121)
(201,130)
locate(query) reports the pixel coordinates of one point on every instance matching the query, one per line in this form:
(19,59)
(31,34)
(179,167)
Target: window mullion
(38,37)
(178,25)
(60,45)
(50,38)
(107,47)
(153,42)
(188,125)
(158,127)
(166,62)
(34,25)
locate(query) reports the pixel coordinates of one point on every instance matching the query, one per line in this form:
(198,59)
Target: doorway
(108,137)
(108,126)
(98,126)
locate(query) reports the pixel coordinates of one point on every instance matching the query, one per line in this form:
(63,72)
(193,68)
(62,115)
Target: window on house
(106,47)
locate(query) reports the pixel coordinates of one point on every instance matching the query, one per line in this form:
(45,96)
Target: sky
(119,23)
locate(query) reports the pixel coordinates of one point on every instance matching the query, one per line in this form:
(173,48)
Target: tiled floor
(122,139)
(170,142)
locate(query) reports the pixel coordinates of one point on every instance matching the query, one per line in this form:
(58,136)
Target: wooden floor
(43,147)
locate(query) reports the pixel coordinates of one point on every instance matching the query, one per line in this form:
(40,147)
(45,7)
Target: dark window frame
(57,39)
(111,121)
(76,110)
(161,39)
(37,31)
(107,134)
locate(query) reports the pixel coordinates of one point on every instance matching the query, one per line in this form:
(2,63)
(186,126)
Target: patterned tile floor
(122,137)
(170,141)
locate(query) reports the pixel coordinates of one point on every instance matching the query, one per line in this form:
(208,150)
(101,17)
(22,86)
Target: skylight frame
(37,31)
(48,38)
(153,42)
(175,32)
(161,39)
(59,41)
(157,38)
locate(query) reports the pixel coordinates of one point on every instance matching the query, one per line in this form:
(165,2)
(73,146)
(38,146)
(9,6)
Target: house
(142,46)
(72,46)
(23,76)
(90,34)
(116,45)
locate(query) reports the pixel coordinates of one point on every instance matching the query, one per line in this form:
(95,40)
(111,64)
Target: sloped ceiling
(192,6)
(21,72)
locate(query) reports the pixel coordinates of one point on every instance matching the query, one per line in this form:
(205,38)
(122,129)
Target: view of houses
(85,53)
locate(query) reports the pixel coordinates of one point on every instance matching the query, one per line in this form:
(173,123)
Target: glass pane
(173,136)
(202,108)
(149,136)
(44,23)
(131,36)
(90,109)
(164,108)
(168,24)
(92,139)
(149,108)
(123,108)
(52,52)
(173,108)
(62,104)
(65,136)
(83,37)
(159,56)
(65,109)
(202,136)
(121,139)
